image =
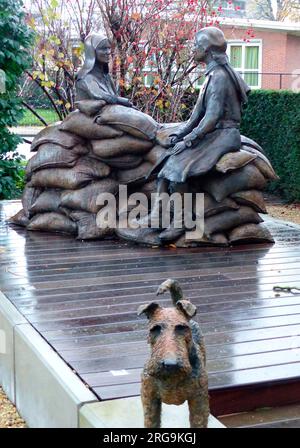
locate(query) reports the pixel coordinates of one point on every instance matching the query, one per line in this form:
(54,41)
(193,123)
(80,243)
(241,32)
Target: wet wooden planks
(82,297)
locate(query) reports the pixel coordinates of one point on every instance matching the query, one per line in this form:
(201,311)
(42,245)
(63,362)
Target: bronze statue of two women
(206,154)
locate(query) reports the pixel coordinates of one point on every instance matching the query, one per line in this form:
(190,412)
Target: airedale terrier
(176,370)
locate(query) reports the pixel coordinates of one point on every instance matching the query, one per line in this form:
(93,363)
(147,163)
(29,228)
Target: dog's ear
(148,309)
(186,307)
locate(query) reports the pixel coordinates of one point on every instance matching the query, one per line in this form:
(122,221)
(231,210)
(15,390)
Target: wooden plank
(265,334)
(114,309)
(191,286)
(211,328)
(82,298)
(125,303)
(88,300)
(242,399)
(214,352)
(230,399)
(131,317)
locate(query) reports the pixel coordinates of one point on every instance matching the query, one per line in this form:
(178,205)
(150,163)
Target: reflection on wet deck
(82,297)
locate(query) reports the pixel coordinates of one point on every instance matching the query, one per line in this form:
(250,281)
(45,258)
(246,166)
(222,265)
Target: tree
(150,39)
(61,28)
(275,9)
(15,40)
(153,39)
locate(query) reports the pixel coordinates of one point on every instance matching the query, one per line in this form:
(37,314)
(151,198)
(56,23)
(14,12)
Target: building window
(246,59)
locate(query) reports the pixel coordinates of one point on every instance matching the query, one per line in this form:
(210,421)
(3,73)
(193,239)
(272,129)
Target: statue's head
(97,51)
(209,40)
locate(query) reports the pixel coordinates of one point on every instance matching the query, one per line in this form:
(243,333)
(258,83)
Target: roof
(267,25)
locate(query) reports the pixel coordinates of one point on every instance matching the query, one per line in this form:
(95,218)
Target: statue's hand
(190,139)
(173,139)
(178,148)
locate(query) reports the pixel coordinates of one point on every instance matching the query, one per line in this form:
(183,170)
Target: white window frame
(243,44)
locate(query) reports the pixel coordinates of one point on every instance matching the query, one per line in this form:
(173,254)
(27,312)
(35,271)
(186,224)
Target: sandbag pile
(93,150)
(98,147)
(233,199)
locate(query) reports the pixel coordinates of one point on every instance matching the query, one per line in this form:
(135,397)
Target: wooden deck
(82,298)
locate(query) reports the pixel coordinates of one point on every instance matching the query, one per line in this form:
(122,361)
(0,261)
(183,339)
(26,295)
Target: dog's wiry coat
(176,369)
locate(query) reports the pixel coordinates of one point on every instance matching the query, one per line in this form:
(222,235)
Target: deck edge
(46,392)
(10,317)
(128,413)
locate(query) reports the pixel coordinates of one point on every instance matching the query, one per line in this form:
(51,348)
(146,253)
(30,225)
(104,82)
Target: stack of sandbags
(91,152)
(82,160)
(233,199)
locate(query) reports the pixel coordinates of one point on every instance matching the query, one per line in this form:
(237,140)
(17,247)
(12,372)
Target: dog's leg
(199,411)
(151,405)
(152,413)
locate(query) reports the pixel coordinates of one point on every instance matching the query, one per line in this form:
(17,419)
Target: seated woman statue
(93,81)
(211,131)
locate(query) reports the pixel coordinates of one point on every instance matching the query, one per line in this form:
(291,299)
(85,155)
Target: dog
(176,369)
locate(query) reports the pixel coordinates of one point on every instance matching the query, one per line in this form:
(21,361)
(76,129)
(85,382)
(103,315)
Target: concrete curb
(46,392)
(9,318)
(128,413)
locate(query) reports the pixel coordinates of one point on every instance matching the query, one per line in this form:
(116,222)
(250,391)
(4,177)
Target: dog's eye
(155,331)
(181,329)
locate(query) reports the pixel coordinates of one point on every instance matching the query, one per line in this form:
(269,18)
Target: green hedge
(15,41)
(272,118)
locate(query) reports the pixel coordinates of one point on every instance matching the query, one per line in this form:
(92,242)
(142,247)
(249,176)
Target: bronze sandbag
(86,198)
(230,219)
(84,126)
(120,146)
(135,174)
(250,233)
(53,134)
(122,162)
(52,222)
(154,155)
(129,120)
(262,163)
(223,185)
(51,155)
(48,201)
(90,107)
(144,236)
(85,170)
(251,143)
(87,226)
(20,219)
(234,160)
(252,198)
(29,196)
(217,239)
(212,207)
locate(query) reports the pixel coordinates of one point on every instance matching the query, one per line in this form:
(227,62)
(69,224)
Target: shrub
(15,38)
(272,118)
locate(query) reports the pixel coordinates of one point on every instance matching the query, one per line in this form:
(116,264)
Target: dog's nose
(171,365)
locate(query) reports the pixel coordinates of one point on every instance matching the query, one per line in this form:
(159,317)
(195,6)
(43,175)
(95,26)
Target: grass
(29,119)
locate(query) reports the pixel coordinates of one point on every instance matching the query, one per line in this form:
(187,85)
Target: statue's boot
(177,227)
(171,233)
(155,217)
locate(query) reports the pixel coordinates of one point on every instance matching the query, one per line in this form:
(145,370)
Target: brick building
(267,53)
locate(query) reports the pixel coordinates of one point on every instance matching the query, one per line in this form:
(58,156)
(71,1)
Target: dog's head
(170,336)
